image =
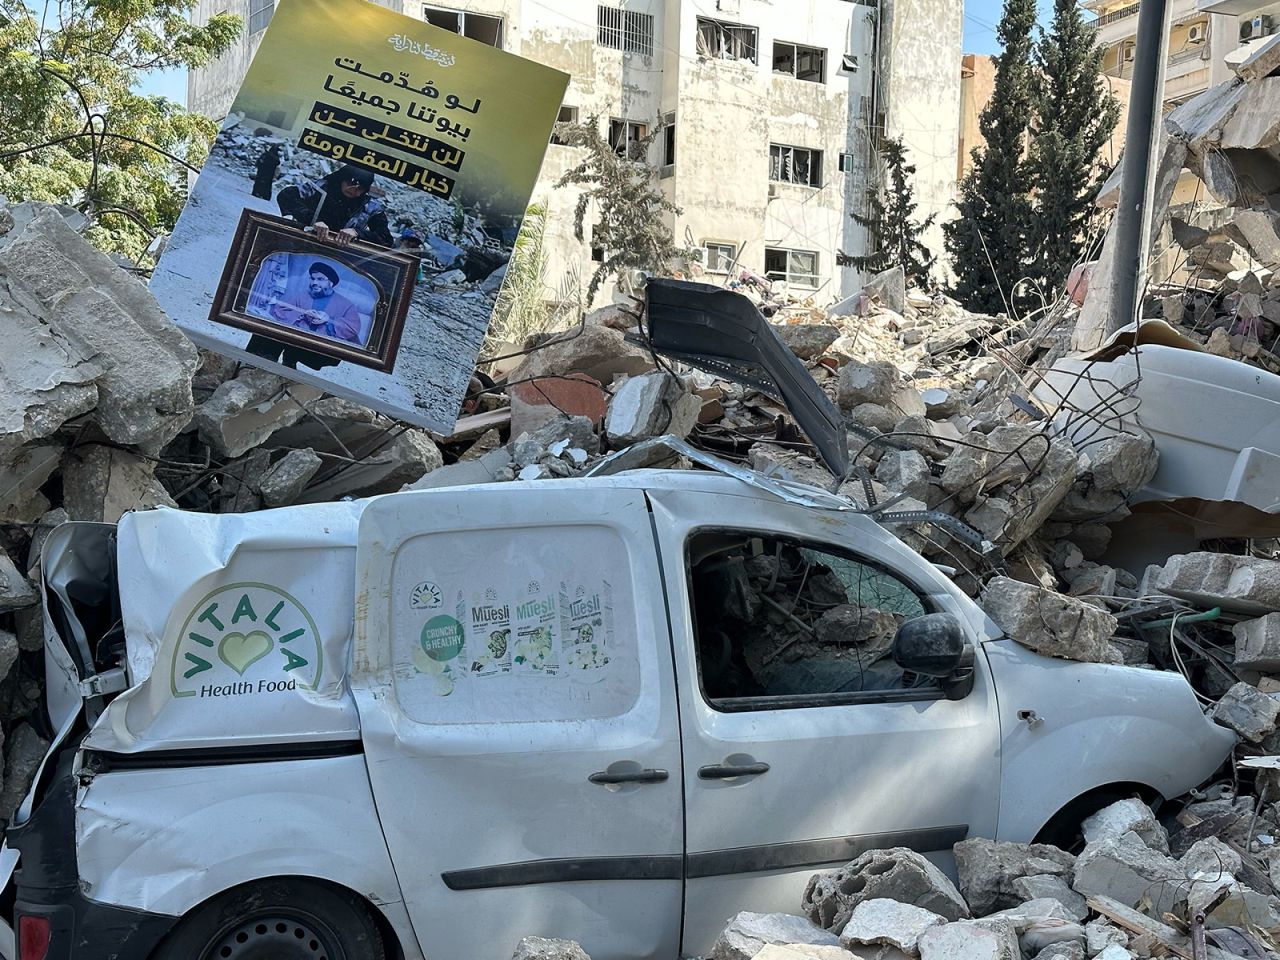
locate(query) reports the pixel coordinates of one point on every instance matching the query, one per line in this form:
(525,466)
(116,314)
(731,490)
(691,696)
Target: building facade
(770,113)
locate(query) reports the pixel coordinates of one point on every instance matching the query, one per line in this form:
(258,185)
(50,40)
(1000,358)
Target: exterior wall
(727,113)
(977,84)
(920,46)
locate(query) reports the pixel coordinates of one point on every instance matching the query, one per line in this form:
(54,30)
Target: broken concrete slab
(895,874)
(971,940)
(1062,951)
(890,288)
(103,483)
(1126,869)
(405,459)
(1048,622)
(244,412)
(24,749)
(1044,886)
(80,297)
(867,383)
(808,341)
(534,402)
(600,352)
(748,933)
(988,868)
(984,461)
(1262,59)
(1258,643)
(1124,463)
(8,652)
(650,405)
(540,948)
(1099,934)
(905,471)
(1248,712)
(888,922)
(1122,817)
(490,468)
(24,473)
(289,476)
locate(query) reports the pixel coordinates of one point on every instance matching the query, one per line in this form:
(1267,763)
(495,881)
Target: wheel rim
(275,937)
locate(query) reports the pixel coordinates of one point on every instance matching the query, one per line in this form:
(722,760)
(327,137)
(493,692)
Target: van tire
(284,919)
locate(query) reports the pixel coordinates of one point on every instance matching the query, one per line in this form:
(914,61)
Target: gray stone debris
(888,922)
(905,471)
(1122,464)
(748,933)
(1247,711)
(1240,584)
(1126,869)
(867,383)
(102,483)
(896,874)
(102,322)
(1123,816)
(1047,886)
(8,652)
(1258,643)
(23,751)
(801,951)
(1048,622)
(15,591)
(808,341)
(1062,951)
(407,458)
(988,869)
(1114,952)
(597,350)
(971,940)
(244,412)
(650,405)
(289,476)
(1099,934)
(538,948)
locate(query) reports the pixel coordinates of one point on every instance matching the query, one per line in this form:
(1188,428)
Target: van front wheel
(283,919)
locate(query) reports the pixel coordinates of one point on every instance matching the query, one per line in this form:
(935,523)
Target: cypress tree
(1075,117)
(891,220)
(988,241)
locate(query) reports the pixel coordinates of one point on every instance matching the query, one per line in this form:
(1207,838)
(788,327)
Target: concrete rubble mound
(1115,539)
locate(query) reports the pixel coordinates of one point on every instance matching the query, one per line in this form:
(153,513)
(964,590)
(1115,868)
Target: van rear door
(517,702)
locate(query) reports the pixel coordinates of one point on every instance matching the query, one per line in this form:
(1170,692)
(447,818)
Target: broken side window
(669,140)
(718,40)
(798,165)
(777,617)
(566,115)
(626,137)
(719,257)
(799,61)
(796,267)
(474,26)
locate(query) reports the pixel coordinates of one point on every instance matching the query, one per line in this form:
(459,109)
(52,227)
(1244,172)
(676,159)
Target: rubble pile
(1132,891)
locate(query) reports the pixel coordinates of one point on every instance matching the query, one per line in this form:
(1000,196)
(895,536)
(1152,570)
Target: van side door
(517,702)
(804,744)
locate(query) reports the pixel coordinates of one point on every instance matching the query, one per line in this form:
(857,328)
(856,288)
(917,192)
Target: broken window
(474,26)
(719,257)
(260,14)
(776,617)
(625,30)
(718,40)
(795,165)
(566,115)
(798,267)
(801,62)
(627,138)
(669,140)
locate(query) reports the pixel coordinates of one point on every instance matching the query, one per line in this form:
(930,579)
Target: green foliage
(892,221)
(73,131)
(988,241)
(1075,117)
(631,223)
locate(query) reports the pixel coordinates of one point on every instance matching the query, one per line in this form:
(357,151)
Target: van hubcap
(274,938)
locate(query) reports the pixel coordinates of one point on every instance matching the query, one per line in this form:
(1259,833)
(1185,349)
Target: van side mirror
(935,645)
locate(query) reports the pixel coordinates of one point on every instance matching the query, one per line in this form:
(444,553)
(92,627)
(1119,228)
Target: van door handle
(727,771)
(647,775)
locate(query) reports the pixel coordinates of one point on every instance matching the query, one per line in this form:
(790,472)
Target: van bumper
(48,887)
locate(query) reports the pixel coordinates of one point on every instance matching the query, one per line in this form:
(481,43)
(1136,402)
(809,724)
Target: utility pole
(1141,146)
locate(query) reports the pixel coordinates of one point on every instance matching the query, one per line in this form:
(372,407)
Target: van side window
(775,617)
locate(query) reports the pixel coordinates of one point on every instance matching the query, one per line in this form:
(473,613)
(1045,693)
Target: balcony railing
(1115,15)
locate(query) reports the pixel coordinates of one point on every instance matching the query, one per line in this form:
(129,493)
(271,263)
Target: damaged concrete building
(770,114)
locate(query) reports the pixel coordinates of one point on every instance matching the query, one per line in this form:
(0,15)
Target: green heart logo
(240,651)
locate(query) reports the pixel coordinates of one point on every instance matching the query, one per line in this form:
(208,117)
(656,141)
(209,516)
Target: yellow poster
(352,225)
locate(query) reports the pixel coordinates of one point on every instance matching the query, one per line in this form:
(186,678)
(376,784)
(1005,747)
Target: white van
(617,709)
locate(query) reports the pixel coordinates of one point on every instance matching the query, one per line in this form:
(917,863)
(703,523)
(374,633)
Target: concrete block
(1048,622)
(244,412)
(600,352)
(1247,711)
(748,933)
(102,483)
(988,868)
(1122,464)
(24,750)
(894,874)
(1062,951)
(538,948)
(888,922)
(71,293)
(1262,59)
(1126,869)
(808,341)
(289,476)
(1123,816)
(407,458)
(867,383)
(1043,886)
(651,405)
(905,471)
(971,940)
(1099,934)
(1258,643)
